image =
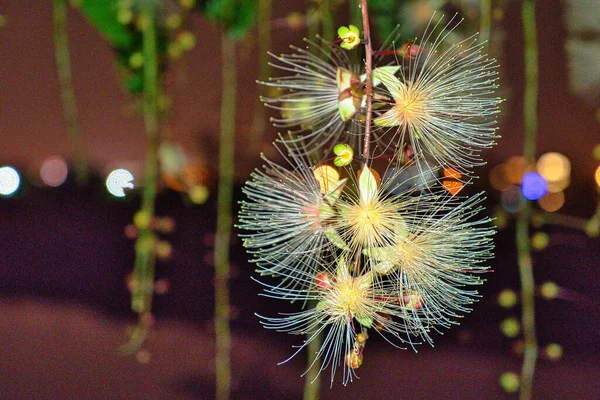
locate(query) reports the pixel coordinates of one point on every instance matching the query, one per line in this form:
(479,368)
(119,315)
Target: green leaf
(386,253)
(365,321)
(325,212)
(347,109)
(341,271)
(236,16)
(334,192)
(367,185)
(378,72)
(335,238)
(103,15)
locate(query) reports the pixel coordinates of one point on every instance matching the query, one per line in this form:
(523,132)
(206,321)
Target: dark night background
(64,305)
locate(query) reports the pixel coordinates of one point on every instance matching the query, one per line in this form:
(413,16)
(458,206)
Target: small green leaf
(325,212)
(378,72)
(103,14)
(334,192)
(335,238)
(389,118)
(344,78)
(365,321)
(367,185)
(236,16)
(341,271)
(347,109)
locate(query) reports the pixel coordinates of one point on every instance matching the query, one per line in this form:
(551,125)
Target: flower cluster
(381,244)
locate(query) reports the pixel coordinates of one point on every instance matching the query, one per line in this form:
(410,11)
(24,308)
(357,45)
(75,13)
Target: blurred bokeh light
(54,171)
(534,186)
(118,180)
(512,200)
(10,180)
(554,167)
(552,201)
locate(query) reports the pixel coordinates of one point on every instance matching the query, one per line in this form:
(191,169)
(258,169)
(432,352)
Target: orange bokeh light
(552,201)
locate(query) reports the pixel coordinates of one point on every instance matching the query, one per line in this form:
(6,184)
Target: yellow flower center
(351,39)
(411,105)
(350,296)
(367,221)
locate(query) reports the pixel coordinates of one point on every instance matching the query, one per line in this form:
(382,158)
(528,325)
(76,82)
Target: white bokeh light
(118,180)
(54,171)
(9,181)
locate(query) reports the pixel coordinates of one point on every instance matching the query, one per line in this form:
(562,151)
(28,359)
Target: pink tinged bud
(354,359)
(412,300)
(324,280)
(410,50)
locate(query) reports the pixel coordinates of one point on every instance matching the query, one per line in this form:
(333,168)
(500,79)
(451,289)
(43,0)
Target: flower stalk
(63,64)
(522,225)
(264,12)
(368,81)
(485,21)
(144,253)
(224,220)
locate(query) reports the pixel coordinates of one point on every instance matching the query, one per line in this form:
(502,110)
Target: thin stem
(312,379)
(313,21)
(264,69)
(485,20)
(141,301)
(531,79)
(522,224)
(369,82)
(224,220)
(355,15)
(63,64)
(327,20)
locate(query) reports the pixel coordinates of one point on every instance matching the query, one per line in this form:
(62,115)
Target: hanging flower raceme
(442,102)
(363,246)
(388,254)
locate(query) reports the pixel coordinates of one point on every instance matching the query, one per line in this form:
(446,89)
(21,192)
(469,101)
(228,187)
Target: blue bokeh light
(534,186)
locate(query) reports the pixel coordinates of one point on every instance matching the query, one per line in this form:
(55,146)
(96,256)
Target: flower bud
(323,280)
(354,359)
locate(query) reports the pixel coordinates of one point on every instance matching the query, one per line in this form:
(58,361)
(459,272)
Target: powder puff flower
(286,217)
(321,97)
(346,305)
(443,103)
(434,261)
